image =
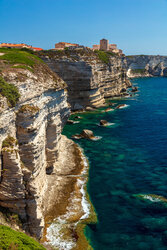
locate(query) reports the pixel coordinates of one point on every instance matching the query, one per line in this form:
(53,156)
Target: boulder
(134,89)
(120,106)
(77,117)
(88,134)
(109,109)
(103,122)
(70,122)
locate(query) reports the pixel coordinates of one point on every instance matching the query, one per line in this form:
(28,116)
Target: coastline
(66,218)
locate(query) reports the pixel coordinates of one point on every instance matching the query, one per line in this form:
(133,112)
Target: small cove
(130,159)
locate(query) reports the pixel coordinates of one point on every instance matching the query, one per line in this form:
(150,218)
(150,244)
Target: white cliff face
(40,167)
(89,80)
(145,66)
(42,108)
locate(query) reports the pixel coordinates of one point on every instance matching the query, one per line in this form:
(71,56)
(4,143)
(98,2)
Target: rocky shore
(69,208)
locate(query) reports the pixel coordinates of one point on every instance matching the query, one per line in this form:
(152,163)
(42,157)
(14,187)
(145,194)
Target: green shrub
(9,91)
(138,71)
(103,56)
(11,239)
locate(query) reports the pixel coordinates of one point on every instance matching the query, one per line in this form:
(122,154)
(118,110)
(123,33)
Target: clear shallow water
(130,159)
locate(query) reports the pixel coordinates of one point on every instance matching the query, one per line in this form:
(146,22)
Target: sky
(136,26)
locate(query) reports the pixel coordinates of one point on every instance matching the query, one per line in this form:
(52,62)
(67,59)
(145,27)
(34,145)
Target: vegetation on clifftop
(76,54)
(104,56)
(14,62)
(11,239)
(9,91)
(19,58)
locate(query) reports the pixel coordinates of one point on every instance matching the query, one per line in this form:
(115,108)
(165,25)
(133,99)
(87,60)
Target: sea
(128,169)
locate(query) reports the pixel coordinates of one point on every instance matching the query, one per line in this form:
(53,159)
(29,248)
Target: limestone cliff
(145,66)
(90,80)
(42,172)
(30,134)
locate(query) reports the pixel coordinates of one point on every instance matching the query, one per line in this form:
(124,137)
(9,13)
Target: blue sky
(137,26)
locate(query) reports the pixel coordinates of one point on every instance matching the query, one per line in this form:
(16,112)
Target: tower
(104,44)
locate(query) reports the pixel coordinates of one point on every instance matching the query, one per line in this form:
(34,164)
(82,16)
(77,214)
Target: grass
(104,56)
(13,240)
(138,71)
(10,92)
(16,56)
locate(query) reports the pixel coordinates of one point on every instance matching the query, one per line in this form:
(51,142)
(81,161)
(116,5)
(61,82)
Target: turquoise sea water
(130,159)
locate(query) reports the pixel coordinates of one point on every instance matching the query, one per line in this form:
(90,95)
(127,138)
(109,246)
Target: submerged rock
(151,197)
(155,224)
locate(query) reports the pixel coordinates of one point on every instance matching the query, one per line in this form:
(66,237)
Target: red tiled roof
(36,48)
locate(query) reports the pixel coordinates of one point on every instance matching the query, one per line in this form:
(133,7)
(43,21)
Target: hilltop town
(19,46)
(104,45)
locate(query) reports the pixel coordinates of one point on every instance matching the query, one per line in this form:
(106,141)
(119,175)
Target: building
(96,47)
(19,46)
(104,44)
(14,45)
(63,45)
(36,49)
(112,46)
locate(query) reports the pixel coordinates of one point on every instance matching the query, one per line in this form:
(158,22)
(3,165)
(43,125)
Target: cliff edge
(90,76)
